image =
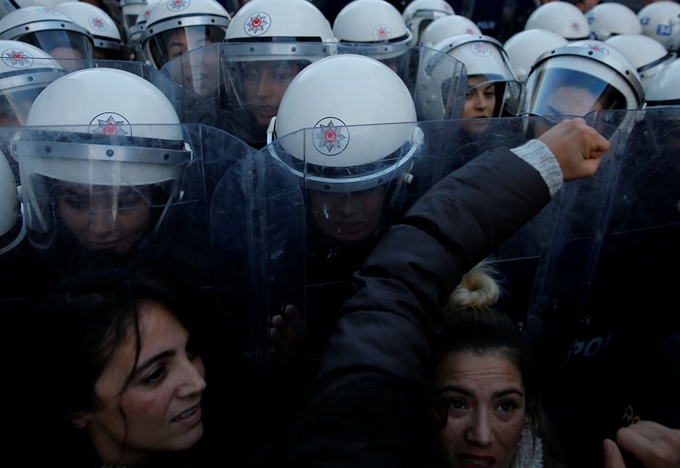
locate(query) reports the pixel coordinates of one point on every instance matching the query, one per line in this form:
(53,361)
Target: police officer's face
(182,40)
(265,82)
(199,70)
(480,103)
(567,100)
(103,218)
(348,216)
(68,57)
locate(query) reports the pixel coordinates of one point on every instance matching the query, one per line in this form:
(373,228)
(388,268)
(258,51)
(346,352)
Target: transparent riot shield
(257,237)
(190,107)
(244,82)
(357,182)
(437,81)
(616,354)
(89,192)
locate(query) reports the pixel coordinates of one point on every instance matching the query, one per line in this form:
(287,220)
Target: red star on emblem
(330,136)
(110,126)
(18,56)
(381,31)
(575,26)
(257,22)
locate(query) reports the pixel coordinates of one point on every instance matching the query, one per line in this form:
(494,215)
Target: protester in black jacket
(365,407)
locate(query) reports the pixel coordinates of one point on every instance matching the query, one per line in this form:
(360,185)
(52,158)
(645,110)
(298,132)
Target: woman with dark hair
(130,380)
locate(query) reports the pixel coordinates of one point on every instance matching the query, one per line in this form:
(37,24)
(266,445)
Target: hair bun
(478,289)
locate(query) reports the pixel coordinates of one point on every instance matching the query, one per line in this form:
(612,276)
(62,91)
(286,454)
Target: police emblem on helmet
(110,123)
(574,26)
(480,49)
(331,135)
(50,11)
(382,33)
(97,22)
(178,5)
(17,58)
(258,24)
(597,48)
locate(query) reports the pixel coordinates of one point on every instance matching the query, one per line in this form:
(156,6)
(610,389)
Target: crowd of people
(284,236)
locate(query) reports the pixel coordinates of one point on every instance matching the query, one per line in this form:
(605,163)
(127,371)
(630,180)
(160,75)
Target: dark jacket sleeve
(359,410)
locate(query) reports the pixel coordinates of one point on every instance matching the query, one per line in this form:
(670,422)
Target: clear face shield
(557,91)
(349,202)
(97,193)
(67,47)
(107,219)
(170,44)
(244,81)
(14,106)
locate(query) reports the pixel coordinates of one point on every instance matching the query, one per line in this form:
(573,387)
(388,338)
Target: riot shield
(437,81)
(357,182)
(243,83)
(617,341)
(256,227)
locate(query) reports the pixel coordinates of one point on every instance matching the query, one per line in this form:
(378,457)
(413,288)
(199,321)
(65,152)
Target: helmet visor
(564,91)
(172,43)
(14,106)
(68,45)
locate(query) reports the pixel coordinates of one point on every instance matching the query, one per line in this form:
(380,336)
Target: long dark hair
(85,319)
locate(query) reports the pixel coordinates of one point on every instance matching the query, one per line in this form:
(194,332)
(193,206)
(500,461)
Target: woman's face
(159,410)
(104,218)
(265,83)
(480,103)
(568,100)
(484,397)
(348,216)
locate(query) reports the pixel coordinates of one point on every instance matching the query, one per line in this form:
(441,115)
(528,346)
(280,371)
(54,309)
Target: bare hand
(286,334)
(577,147)
(656,446)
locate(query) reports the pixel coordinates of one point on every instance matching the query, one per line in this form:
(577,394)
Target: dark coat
(366,405)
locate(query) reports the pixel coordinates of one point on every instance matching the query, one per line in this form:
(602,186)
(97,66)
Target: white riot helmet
(371,22)
(523,49)
(176,26)
(647,55)
(50,30)
(663,89)
(561,18)
(130,10)
(446,27)
(486,62)
(137,29)
(24,72)
(8,6)
(278,30)
(373,28)
(661,21)
(580,78)
(610,19)
(12,229)
(285,20)
(526,46)
(335,155)
(420,13)
(104,146)
(107,40)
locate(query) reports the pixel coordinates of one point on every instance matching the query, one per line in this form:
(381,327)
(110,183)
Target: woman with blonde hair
(481,379)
